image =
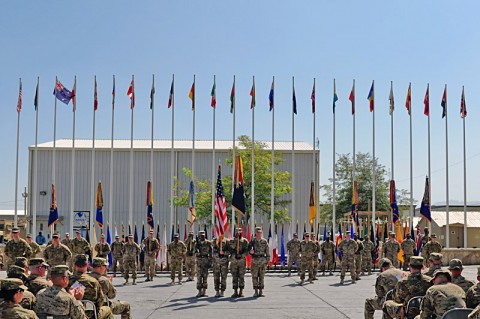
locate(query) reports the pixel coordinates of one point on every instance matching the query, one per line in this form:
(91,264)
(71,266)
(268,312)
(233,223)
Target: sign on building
(81,220)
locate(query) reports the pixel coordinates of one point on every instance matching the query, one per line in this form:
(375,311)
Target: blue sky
(421,42)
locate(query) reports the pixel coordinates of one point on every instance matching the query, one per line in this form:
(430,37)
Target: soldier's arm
(267,250)
(111,291)
(379,291)
(427,307)
(28,249)
(108,250)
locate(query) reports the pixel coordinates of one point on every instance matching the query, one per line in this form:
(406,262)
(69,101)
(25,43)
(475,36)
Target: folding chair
(457,313)
(90,309)
(49,316)
(412,309)
(389,295)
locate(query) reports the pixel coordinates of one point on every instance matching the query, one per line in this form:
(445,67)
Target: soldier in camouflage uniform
(117,255)
(408,247)
(176,253)
(190,258)
(435,263)
(415,284)
(36,281)
(56,253)
(28,300)
(347,248)
(456,267)
(99,268)
(67,241)
(358,256)
(386,281)
(102,248)
(221,253)
(16,247)
(316,261)
(131,251)
(35,247)
(151,249)
(93,291)
(433,246)
(473,294)
(80,246)
(293,247)
(12,291)
(391,249)
(238,265)
(368,248)
(55,300)
(307,250)
(441,297)
(328,255)
(22,262)
(260,256)
(203,252)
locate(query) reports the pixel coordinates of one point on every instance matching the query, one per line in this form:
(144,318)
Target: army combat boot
(235,295)
(217,294)
(240,293)
(260,293)
(126,282)
(204,293)
(256,293)
(222,293)
(134,282)
(172,282)
(199,293)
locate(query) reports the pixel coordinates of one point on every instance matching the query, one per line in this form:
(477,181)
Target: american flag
(19,103)
(221,226)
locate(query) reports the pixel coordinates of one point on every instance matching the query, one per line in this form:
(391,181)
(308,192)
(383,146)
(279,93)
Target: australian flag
(62,93)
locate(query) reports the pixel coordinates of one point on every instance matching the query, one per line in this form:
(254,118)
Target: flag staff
(35,163)
(110,187)
(354,168)
(72,178)
(314,177)
(193,132)
(130,193)
(213,104)
(172,152)
(232,110)
(252,213)
(54,143)
(427,110)
(374,168)
(293,152)
(411,156)
(334,201)
(447,199)
(392,108)
(152,104)
(272,183)
(464,115)
(19,109)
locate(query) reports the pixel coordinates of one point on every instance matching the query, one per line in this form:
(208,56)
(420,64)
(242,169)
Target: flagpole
(354,156)
(172,156)
(447,199)
(391,141)
(334,202)
(110,188)
(16,163)
(465,236)
(411,165)
(72,179)
(233,151)
(272,183)
(314,176)
(374,168)
(293,154)
(35,164)
(54,144)
(193,134)
(130,195)
(429,158)
(213,158)
(252,217)
(153,122)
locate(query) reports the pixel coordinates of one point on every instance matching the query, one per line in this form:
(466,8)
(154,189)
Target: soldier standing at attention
(36,281)
(328,251)
(176,253)
(131,251)
(102,248)
(293,247)
(55,300)
(307,249)
(358,257)
(408,247)
(473,294)
(368,248)
(391,249)
(80,245)
(203,252)
(347,248)
(220,265)
(151,249)
(260,257)
(456,267)
(415,284)
(16,247)
(67,241)
(316,261)
(238,265)
(117,255)
(441,297)
(190,259)
(56,253)
(12,291)
(386,281)
(35,247)
(435,263)
(431,247)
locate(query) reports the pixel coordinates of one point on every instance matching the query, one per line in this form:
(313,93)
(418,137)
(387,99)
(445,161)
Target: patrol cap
(435,256)
(102,236)
(391,234)
(150,231)
(21,261)
(306,235)
(78,231)
(426,228)
(56,235)
(67,235)
(295,235)
(258,229)
(433,235)
(15,230)
(130,235)
(13,284)
(116,237)
(60,270)
(81,260)
(29,235)
(200,233)
(37,262)
(97,262)
(455,264)
(15,270)
(385,262)
(416,261)
(347,232)
(442,272)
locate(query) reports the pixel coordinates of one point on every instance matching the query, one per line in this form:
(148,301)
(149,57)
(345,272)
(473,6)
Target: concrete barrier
(469,256)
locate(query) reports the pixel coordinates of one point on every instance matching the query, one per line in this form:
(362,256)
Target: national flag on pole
(62,93)
(391,99)
(338,240)
(53,215)
(426,101)
(270,244)
(35,101)
(170,96)
(95,95)
(249,237)
(74,95)
(109,241)
(393,202)
(282,249)
(152,94)
(99,205)
(213,94)
(355,203)
(232,97)
(408,102)
(312,97)
(123,233)
(252,94)
(444,103)
(352,98)
(463,105)
(150,204)
(335,95)
(191,95)
(425,206)
(131,94)
(135,234)
(271,96)
(371,97)
(220,208)
(19,102)
(294,101)
(113,93)
(238,198)
(312,206)
(192,216)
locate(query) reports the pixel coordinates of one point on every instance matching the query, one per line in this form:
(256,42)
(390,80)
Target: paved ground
(285,298)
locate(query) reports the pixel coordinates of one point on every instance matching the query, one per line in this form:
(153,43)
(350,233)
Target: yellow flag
(313,207)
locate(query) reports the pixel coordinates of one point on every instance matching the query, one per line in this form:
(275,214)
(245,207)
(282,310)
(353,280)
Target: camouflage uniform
(307,249)
(35,249)
(176,251)
(390,250)
(432,269)
(55,300)
(463,282)
(440,298)
(13,249)
(220,266)
(431,247)
(437,264)
(358,258)
(347,248)
(316,261)
(386,281)
(190,258)
(102,249)
(473,296)
(55,256)
(35,283)
(15,311)
(68,243)
(203,252)
(17,273)
(368,248)
(328,256)
(117,256)
(80,246)
(238,254)
(408,247)
(131,251)
(260,259)
(151,247)
(293,247)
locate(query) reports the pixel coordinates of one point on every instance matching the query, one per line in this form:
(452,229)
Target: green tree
(203,194)
(363,174)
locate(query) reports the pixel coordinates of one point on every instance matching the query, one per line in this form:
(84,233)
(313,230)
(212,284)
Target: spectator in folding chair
(12,292)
